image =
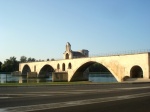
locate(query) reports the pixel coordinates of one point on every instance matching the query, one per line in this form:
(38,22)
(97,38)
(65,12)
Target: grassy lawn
(54,83)
(45,83)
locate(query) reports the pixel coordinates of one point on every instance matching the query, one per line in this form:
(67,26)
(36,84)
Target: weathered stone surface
(59,76)
(119,65)
(32,75)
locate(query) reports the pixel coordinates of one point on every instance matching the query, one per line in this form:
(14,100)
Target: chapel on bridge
(69,54)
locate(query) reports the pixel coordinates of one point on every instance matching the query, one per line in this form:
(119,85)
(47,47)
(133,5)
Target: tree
(96,67)
(1,66)
(10,65)
(23,59)
(15,63)
(52,59)
(31,59)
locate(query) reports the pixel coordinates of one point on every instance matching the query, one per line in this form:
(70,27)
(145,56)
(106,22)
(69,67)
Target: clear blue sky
(41,28)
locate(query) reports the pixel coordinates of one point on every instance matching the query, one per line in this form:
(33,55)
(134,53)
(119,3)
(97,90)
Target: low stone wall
(16,73)
(137,80)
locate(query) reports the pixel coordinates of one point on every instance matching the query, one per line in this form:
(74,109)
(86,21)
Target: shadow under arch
(81,73)
(45,71)
(136,72)
(26,69)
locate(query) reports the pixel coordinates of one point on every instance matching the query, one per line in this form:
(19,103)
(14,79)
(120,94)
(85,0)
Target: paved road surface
(73,98)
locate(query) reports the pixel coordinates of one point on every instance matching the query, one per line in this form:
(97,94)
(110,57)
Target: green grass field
(45,83)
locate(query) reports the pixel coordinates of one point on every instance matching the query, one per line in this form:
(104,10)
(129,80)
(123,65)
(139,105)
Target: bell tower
(68,52)
(68,47)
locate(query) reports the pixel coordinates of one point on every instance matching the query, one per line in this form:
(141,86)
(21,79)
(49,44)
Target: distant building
(69,54)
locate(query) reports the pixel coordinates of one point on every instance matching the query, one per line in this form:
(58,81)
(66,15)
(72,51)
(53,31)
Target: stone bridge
(121,66)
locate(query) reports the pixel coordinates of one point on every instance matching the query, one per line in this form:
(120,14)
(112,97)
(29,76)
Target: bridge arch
(136,72)
(79,72)
(46,71)
(26,69)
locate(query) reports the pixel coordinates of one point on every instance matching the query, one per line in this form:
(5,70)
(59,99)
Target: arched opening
(63,67)
(136,72)
(94,72)
(58,66)
(46,71)
(69,66)
(125,78)
(67,56)
(25,70)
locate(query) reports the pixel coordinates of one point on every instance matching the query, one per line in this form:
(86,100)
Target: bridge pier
(32,75)
(59,77)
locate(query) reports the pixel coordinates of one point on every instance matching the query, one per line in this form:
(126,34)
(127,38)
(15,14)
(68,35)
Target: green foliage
(96,67)
(23,59)
(10,65)
(31,60)
(45,83)
(1,66)
(52,59)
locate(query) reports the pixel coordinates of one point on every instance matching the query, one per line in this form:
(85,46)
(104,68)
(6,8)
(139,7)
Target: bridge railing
(121,53)
(116,53)
(106,54)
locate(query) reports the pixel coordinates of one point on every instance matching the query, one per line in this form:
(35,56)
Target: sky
(40,29)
